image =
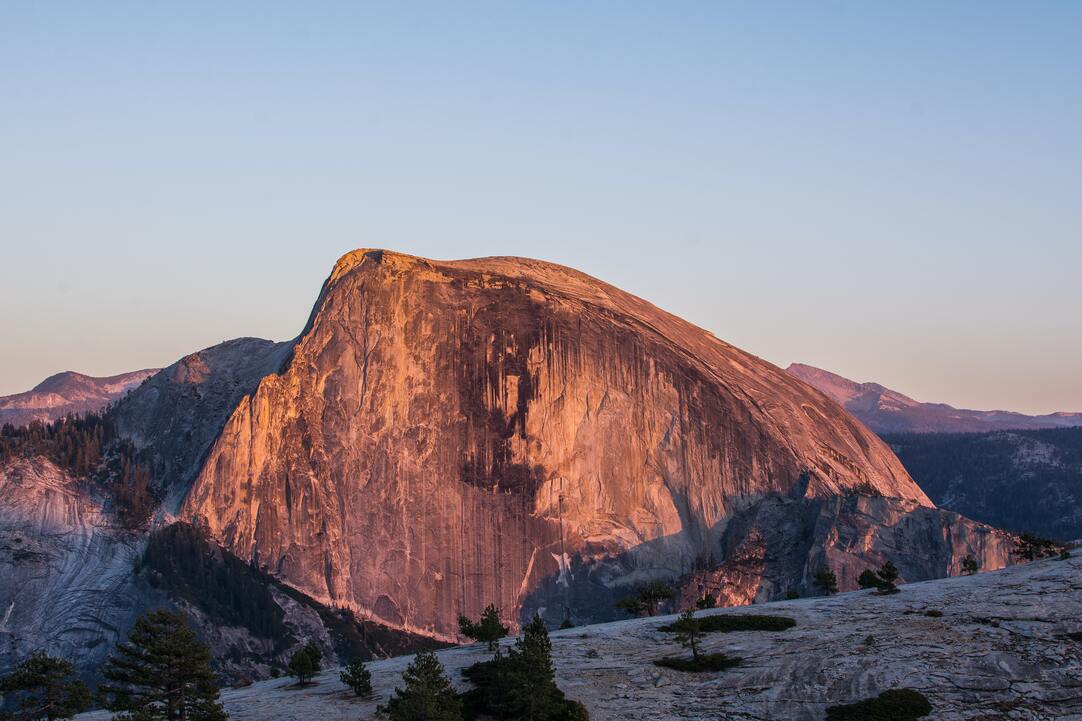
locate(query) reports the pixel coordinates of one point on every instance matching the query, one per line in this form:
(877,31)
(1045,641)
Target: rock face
(66,581)
(1005,647)
(777,545)
(887,411)
(445,435)
(67,393)
(175,416)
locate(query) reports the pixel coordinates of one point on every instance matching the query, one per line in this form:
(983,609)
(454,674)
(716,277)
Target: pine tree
(689,632)
(654,593)
(43,688)
(826,581)
(428,694)
(969,565)
(304,664)
(888,574)
(533,692)
(489,630)
(357,676)
(162,673)
(647,599)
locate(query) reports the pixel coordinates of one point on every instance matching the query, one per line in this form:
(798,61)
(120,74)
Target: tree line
(89,447)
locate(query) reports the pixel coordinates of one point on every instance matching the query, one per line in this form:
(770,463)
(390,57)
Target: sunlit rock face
(444,433)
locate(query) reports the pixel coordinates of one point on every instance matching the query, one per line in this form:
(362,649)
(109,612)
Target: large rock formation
(444,435)
(66,581)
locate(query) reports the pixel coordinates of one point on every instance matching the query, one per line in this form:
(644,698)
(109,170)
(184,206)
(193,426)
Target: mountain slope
(68,393)
(447,434)
(1005,647)
(1021,480)
(887,411)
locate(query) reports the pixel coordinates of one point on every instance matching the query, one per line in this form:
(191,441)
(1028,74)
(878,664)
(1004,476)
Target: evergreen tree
(888,574)
(647,599)
(707,601)
(489,630)
(630,605)
(533,691)
(654,593)
(357,676)
(162,673)
(689,632)
(868,579)
(43,688)
(304,664)
(826,581)
(969,565)
(428,694)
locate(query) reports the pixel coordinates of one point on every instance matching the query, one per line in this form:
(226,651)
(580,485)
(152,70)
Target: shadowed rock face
(449,434)
(175,416)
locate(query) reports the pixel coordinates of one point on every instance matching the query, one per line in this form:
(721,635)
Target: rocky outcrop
(66,581)
(445,435)
(1004,645)
(68,393)
(174,417)
(777,545)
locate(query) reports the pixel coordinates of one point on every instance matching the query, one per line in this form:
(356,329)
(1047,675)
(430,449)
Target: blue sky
(889,190)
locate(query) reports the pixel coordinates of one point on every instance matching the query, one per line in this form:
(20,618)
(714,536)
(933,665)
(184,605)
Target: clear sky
(892,191)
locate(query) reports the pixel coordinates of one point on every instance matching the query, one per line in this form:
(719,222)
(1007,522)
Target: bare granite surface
(1006,647)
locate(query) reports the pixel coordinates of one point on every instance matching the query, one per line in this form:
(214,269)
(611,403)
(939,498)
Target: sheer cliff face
(450,434)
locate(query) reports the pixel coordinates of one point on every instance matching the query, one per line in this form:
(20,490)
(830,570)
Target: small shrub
(969,565)
(1064,554)
(868,579)
(884,579)
(826,581)
(792,594)
(934,613)
(1031,547)
(706,602)
(900,704)
(567,623)
(742,622)
(705,662)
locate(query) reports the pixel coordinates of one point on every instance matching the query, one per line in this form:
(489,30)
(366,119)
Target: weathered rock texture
(450,434)
(66,581)
(67,393)
(1005,647)
(175,416)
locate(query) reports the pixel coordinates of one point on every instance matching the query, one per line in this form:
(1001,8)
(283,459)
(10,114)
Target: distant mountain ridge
(887,411)
(66,393)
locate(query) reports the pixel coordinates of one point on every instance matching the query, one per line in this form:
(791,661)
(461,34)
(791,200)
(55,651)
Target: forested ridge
(1022,480)
(89,447)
